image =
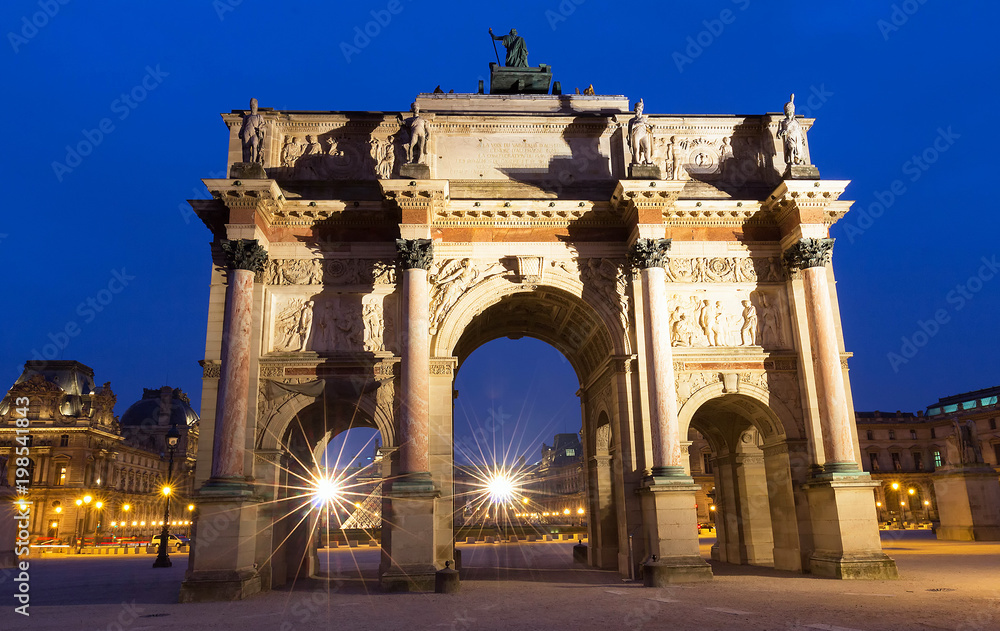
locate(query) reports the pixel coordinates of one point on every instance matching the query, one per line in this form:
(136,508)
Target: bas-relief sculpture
(517,50)
(451,278)
(252,135)
(329,272)
(697,321)
(726,269)
(794,137)
(336,323)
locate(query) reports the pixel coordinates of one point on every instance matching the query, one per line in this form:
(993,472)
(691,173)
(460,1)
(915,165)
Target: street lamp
(162,558)
(81,529)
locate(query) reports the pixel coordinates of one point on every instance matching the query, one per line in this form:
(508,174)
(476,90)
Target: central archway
(590,336)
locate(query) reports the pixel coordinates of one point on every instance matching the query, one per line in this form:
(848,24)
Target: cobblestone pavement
(943,585)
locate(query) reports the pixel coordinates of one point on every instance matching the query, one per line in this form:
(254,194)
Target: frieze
(726,321)
(267,371)
(329,272)
(728,269)
(441,368)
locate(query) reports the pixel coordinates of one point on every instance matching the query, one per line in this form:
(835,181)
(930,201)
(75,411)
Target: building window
(933,434)
(897,465)
(871,435)
(937,459)
(64,440)
(873,460)
(570,452)
(892,434)
(706,463)
(993,423)
(918,461)
(913,434)
(996,452)
(61,479)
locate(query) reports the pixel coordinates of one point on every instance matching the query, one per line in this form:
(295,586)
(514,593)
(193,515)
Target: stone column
(246,258)
(668,496)
(415,258)
(410,562)
(222,561)
(811,257)
(649,257)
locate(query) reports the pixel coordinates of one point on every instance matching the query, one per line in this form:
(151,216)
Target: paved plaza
(942,585)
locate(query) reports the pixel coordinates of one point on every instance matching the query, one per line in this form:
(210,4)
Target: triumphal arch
(680,263)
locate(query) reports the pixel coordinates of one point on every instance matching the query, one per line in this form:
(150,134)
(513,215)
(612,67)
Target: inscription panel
(522,157)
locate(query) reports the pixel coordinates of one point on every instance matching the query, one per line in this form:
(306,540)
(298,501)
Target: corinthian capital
(806,253)
(648,253)
(245,254)
(415,253)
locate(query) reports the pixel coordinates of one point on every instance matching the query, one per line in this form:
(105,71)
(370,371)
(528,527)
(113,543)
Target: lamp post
(81,528)
(125,509)
(162,558)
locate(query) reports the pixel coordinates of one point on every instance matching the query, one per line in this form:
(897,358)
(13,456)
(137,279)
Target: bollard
(532,538)
(580,553)
(353,543)
(513,538)
(489,539)
(470,540)
(446,580)
(372,543)
(548,537)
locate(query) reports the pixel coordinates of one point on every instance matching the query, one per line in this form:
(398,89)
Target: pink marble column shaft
(415,374)
(234,385)
(660,368)
(835,417)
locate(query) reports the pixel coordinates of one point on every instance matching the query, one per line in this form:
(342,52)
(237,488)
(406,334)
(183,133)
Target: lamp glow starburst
(326,490)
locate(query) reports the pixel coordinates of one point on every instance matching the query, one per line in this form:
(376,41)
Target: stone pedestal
(845,529)
(411,565)
(247,171)
(670,520)
(644,172)
(801,172)
(530,80)
(968,500)
(8,527)
(221,563)
(415,171)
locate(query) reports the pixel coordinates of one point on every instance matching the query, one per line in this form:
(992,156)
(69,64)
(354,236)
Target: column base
(213,586)
(408,578)
(967,498)
(669,520)
(875,566)
(660,572)
(227,487)
(845,528)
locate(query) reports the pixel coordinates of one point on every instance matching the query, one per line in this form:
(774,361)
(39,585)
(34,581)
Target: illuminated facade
(79,449)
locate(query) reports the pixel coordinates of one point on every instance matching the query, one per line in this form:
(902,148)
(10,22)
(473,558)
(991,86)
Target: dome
(146,411)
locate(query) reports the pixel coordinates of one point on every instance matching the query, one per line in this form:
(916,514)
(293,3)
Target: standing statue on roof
(418,135)
(640,136)
(252,135)
(790,131)
(517,50)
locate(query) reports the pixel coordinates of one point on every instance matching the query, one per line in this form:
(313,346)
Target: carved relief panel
(330,322)
(711,318)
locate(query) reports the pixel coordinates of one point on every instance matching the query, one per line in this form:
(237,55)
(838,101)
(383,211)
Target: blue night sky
(107,265)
